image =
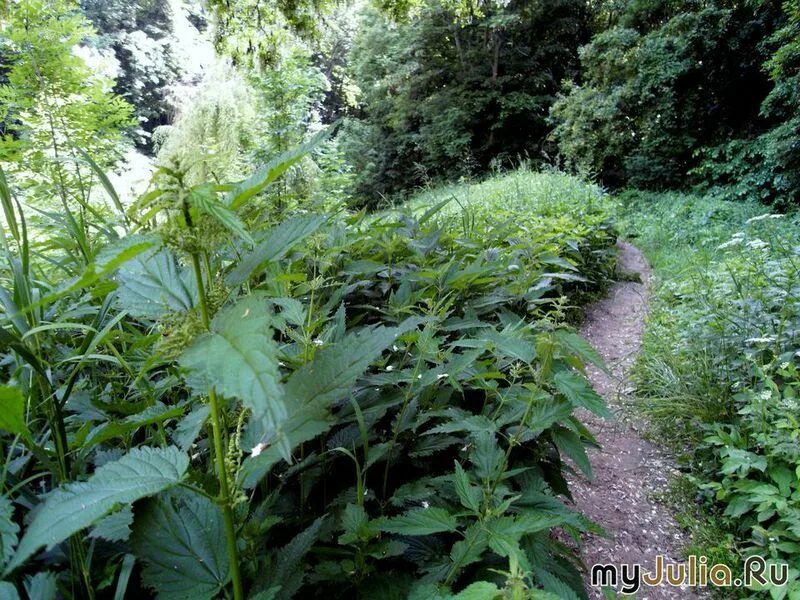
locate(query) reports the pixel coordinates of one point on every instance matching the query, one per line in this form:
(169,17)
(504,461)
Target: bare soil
(629,471)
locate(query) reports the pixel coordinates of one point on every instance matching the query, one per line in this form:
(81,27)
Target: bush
(720,359)
(373,405)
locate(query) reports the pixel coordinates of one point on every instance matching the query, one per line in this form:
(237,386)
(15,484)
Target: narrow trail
(628,470)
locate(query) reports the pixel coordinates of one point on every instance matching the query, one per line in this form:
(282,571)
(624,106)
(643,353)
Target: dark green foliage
(138,32)
(318,406)
(719,369)
(451,89)
(663,84)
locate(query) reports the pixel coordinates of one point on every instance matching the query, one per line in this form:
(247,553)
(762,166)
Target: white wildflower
(442,376)
(757,244)
(318,342)
(419,376)
(760,340)
(766,395)
(425,504)
(390,368)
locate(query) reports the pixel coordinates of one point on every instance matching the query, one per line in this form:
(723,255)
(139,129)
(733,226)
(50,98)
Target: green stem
(219,453)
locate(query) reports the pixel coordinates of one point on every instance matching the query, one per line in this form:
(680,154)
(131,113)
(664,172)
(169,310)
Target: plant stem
(219,453)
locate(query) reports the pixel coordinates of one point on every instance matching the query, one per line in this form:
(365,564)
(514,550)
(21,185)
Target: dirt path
(628,470)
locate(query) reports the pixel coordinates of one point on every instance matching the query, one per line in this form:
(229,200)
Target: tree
(53,104)
(457,87)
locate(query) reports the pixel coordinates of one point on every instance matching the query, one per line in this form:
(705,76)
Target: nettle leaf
(12,411)
(8,530)
(486,456)
(188,429)
(274,246)
(420,521)
(140,473)
(335,368)
(158,413)
(154,284)
(178,536)
(289,569)
(41,586)
(480,590)
(469,495)
(581,348)
(578,391)
(272,170)
(570,444)
(116,527)
(238,358)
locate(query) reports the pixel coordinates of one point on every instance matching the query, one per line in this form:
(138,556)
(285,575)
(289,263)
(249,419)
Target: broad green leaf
(336,368)
(421,521)
(158,413)
(581,348)
(155,284)
(274,246)
(486,456)
(12,411)
(302,426)
(480,590)
(238,358)
(8,530)
(578,391)
(8,591)
(179,538)
(140,473)
(41,586)
(116,527)
(469,495)
(289,571)
(469,550)
(189,427)
(570,444)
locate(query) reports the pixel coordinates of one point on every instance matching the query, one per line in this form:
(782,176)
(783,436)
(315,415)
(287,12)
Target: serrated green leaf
(140,473)
(480,590)
(578,391)
(354,519)
(289,570)
(189,427)
(469,495)
(421,521)
(581,348)
(272,170)
(302,425)
(8,530)
(238,358)
(178,536)
(116,527)
(336,368)
(41,586)
(486,456)
(570,444)
(277,242)
(158,413)
(154,284)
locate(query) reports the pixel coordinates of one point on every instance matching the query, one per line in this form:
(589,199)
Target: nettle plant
(221,402)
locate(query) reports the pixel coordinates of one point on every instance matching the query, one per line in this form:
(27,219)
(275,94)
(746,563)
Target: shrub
(374,405)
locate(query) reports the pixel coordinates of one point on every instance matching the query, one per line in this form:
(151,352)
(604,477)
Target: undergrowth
(206,396)
(718,372)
